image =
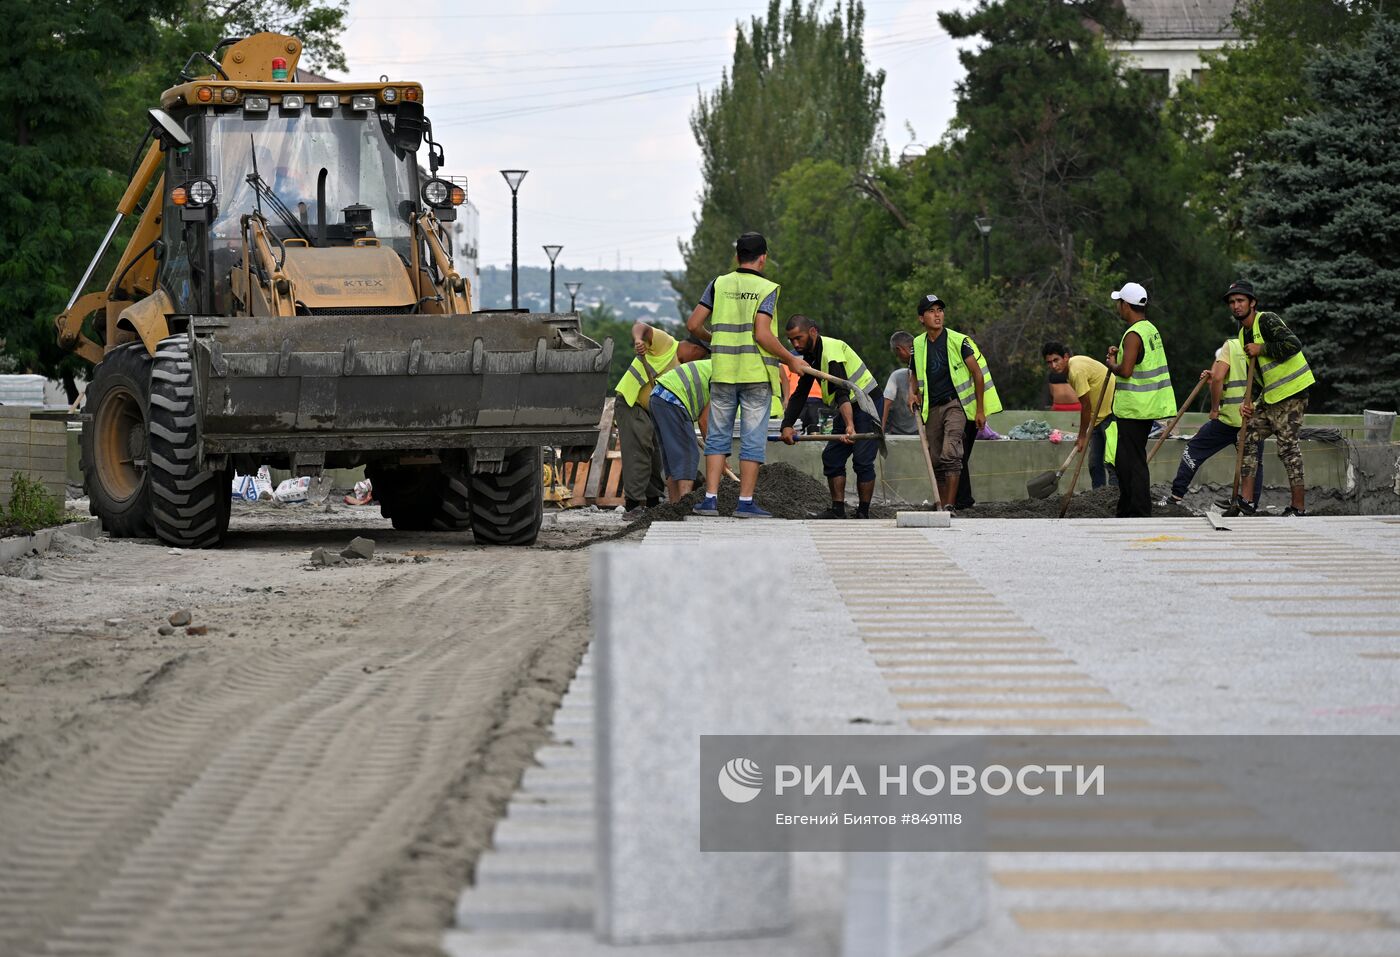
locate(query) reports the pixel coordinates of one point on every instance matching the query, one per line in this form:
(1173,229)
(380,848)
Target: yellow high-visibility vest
(1147,393)
(1281,379)
(736,356)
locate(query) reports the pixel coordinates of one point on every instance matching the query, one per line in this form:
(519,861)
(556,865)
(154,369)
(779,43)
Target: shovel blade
(1043,485)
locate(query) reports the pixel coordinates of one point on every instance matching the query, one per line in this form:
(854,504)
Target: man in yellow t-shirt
(1086,378)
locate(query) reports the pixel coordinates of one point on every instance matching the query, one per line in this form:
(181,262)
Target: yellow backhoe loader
(288,296)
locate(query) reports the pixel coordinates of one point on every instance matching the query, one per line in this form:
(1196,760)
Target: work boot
(634,513)
(708,506)
(1243,507)
(751,510)
(831,511)
(863,510)
(1295,512)
(950,510)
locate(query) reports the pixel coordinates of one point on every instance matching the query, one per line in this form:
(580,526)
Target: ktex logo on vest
(740,780)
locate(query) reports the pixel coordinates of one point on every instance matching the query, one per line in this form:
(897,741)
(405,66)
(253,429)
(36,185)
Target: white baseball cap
(1132,293)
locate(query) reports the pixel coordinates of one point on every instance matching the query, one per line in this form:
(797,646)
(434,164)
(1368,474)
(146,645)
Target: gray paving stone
(658,689)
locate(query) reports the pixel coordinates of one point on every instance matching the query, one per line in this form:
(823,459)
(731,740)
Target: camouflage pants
(1282,420)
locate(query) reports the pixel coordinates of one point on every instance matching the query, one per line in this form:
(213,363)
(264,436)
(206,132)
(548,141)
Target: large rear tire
(508,506)
(114,443)
(189,507)
(422,499)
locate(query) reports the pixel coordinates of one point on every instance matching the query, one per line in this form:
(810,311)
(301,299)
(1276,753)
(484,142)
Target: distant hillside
(632,294)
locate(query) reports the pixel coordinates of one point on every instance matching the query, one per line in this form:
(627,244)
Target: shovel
(1170,428)
(1234,509)
(835,437)
(1046,483)
(1103,391)
(862,399)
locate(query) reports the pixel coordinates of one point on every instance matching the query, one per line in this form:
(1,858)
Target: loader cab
(325,169)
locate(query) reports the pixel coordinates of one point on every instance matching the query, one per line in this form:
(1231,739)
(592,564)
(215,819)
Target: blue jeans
(675,435)
(1209,439)
(751,401)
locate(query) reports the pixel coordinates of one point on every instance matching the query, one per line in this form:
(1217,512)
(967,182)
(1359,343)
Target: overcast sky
(593,97)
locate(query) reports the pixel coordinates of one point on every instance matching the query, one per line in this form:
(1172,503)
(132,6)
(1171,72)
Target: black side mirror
(409,126)
(168,130)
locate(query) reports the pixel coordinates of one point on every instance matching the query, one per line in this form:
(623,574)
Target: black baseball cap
(928,302)
(1241,287)
(750,246)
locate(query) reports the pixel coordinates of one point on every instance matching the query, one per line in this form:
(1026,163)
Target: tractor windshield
(289,153)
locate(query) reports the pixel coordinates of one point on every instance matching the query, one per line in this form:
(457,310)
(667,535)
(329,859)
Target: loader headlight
(201,192)
(255,104)
(362,102)
(327,101)
(437,192)
(292,102)
(389,94)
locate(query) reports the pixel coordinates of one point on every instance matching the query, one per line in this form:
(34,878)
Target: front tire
(422,499)
(114,443)
(189,507)
(507,507)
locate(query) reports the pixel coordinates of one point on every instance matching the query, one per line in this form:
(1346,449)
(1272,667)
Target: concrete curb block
(39,542)
(923,520)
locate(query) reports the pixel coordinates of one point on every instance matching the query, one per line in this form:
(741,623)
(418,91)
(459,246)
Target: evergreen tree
(1066,149)
(1326,221)
(1250,87)
(798,89)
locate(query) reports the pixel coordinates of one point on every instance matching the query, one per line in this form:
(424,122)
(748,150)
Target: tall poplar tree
(798,88)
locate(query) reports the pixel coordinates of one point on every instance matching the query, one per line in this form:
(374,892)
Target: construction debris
(359,547)
(326,556)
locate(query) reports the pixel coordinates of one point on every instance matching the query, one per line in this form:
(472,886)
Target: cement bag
(292,491)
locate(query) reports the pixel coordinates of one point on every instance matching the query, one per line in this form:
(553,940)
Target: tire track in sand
(249,818)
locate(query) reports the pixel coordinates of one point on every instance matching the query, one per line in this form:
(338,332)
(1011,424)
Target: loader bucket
(332,383)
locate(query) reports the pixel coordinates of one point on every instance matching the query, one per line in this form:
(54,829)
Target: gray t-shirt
(902,421)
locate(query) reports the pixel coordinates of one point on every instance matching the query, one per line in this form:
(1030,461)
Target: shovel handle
(1079,465)
(1172,427)
(833,437)
(1244,427)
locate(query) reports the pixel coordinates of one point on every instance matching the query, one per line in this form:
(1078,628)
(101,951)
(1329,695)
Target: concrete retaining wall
(1001,469)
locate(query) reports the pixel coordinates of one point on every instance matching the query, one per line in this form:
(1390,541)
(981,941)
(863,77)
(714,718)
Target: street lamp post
(513,178)
(573,288)
(553,253)
(984,226)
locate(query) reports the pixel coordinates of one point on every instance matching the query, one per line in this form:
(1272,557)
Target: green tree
(799,88)
(1067,151)
(75,81)
(1251,87)
(56,193)
(839,256)
(1326,220)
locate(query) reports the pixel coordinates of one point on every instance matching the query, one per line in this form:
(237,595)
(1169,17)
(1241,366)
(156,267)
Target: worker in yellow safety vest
(1280,400)
(951,393)
(834,357)
(680,401)
(656,352)
(1222,429)
(745,356)
(1142,393)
